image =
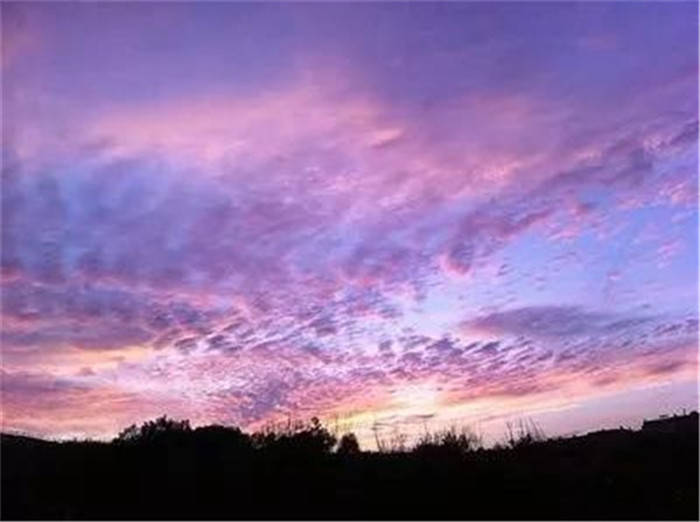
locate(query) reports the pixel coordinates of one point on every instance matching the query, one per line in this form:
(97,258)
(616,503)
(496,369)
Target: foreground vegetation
(166,470)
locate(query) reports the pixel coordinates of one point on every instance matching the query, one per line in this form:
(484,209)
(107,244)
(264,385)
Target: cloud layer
(236,213)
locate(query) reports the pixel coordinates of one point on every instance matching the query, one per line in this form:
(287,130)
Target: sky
(395,217)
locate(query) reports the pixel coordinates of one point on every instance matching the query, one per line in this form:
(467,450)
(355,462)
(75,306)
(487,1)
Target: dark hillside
(165,470)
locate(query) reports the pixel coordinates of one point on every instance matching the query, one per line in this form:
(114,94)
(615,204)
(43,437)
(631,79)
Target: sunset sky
(400,215)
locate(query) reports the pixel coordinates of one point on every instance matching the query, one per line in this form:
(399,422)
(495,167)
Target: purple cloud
(296,216)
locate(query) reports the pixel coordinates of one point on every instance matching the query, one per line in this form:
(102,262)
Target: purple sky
(396,214)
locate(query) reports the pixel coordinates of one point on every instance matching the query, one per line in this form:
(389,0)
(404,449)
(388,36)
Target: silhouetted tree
(170,471)
(348,445)
(128,434)
(150,430)
(222,435)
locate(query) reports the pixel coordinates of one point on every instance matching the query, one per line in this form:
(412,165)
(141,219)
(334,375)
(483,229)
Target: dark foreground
(221,473)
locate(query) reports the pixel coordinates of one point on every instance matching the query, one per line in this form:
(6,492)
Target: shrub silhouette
(524,435)
(448,442)
(149,431)
(395,442)
(164,469)
(348,445)
(295,438)
(221,443)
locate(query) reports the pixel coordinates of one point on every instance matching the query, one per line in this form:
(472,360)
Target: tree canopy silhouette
(164,469)
(348,445)
(152,430)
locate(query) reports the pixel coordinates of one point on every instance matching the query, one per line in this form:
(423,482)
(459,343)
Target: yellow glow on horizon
(72,361)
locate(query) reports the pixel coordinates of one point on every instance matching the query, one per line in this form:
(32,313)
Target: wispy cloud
(453,212)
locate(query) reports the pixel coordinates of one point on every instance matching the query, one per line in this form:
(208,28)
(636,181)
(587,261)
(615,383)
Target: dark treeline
(164,469)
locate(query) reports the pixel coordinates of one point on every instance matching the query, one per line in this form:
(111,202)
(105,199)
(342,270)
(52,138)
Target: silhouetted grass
(164,469)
